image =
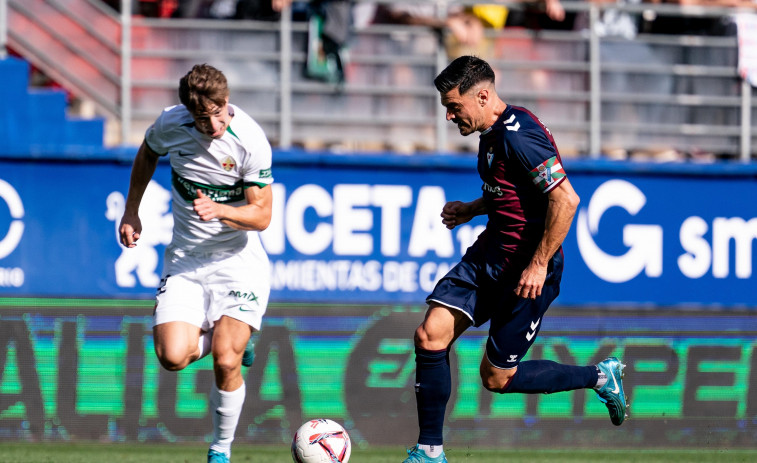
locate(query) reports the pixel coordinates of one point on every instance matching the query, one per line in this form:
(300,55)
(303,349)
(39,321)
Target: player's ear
(482,97)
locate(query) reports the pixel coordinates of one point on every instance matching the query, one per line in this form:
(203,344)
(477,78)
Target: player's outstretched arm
(142,171)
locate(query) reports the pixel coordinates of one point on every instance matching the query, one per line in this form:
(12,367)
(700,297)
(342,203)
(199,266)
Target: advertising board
(367,230)
(73,369)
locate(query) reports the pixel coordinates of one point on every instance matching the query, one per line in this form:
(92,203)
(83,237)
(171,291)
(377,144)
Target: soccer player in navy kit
(511,274)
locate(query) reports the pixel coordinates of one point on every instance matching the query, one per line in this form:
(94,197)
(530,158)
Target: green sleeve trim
(258,184)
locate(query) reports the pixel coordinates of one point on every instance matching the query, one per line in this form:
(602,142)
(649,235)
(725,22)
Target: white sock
(432,451)
(227,406)
(203,345)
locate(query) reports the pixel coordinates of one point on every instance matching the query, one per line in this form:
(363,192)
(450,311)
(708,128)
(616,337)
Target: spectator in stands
(464,26)
(261,10)
(208,9)
(719,26)
(541,14)
(329,22)
(619,46)
(461,26)
(147,8)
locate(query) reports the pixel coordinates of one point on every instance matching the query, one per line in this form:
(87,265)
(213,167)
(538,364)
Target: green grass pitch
(191,453)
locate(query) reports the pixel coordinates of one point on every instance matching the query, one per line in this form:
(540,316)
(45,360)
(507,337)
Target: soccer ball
(321,441)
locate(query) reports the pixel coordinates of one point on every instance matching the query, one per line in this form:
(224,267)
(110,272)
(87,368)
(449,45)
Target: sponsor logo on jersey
(547,173)
(492,189)
(265,173)
(187,189)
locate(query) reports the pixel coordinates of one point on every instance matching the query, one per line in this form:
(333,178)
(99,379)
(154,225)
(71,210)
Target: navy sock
(546,376)
(433,384)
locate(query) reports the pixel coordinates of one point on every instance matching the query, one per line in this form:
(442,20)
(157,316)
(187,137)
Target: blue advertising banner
(662,239)
(366,229)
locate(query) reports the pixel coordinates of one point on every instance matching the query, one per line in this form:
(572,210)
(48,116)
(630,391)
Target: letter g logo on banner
(9,242)
(644,241)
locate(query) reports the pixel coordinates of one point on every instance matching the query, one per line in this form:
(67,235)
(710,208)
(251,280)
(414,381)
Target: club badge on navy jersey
(490,156)
(228,164)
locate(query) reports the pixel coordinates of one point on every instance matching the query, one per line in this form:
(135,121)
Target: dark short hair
(203,87)
(463,73)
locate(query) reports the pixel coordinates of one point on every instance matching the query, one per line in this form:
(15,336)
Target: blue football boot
(217,457)
(611,394)
(418,455)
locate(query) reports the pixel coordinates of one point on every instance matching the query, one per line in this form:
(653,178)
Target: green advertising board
(75,369)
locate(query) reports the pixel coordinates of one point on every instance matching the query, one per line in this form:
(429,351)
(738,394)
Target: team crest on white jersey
(228,164)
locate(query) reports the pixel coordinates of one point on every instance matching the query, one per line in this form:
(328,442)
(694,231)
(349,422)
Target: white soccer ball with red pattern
(321,441)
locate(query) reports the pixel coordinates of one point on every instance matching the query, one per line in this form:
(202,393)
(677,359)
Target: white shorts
(199,288)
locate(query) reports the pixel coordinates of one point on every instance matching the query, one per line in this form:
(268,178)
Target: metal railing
(388,101)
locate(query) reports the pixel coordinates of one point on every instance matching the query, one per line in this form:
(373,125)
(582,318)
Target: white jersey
(222,168)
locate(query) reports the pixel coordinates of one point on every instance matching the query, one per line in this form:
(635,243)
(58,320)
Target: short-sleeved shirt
(222,168)
(518,163)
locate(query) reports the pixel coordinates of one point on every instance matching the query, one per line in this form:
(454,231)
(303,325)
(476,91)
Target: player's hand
(455,213)
(555,11)
(129,230)
(531,281)
(466,28)
(279,5)
(205,207)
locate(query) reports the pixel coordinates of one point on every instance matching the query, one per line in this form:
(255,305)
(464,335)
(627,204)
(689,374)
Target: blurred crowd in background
(466,30)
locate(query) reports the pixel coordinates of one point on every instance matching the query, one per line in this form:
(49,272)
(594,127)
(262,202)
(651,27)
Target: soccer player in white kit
(215,283)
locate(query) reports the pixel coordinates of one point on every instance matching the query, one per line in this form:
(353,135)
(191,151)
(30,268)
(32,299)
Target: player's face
(463,110)
(213,120)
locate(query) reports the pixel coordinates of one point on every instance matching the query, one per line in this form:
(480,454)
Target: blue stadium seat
(33,121)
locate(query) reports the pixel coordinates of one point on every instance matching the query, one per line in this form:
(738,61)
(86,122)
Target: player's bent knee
(421,337)
(172,358)
(429,341)
(172,363)
(491,384)
(497,380)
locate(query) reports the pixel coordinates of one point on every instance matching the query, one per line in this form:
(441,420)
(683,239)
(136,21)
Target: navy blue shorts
(485,292)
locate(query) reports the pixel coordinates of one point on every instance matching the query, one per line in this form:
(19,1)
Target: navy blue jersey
(519,163)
